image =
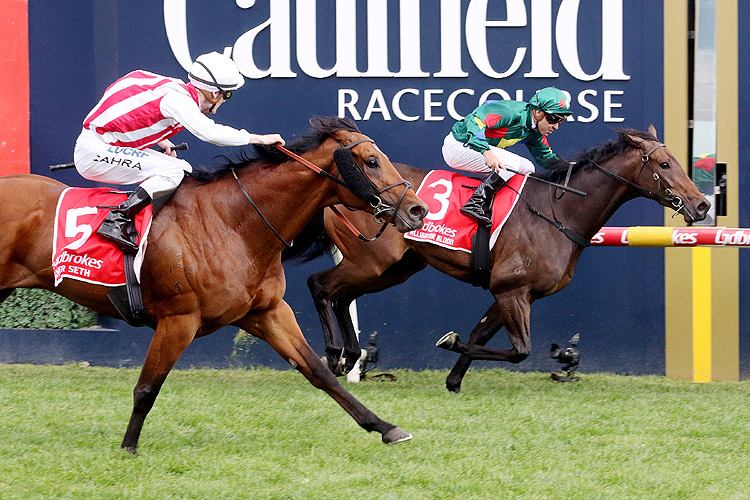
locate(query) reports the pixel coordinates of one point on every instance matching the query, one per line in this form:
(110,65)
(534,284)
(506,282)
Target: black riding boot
(475,206)
(115,226)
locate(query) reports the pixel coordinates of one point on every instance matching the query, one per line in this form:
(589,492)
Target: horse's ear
(652,130)
(632,139)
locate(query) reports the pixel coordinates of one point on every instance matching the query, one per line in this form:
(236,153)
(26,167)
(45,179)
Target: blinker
(355,180)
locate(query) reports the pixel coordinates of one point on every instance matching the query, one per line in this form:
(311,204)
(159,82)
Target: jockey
(141,110)
(477,143)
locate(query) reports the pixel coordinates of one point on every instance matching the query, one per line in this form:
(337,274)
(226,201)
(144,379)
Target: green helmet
(551,100)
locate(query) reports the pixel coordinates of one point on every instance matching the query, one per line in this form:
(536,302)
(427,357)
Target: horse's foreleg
(515,308)
(395,274)
(487,327)
(279,328)
(352,349)
(321,289)
(334,290)
(171,338)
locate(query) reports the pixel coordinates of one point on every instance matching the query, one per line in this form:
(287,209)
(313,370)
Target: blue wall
(616,298)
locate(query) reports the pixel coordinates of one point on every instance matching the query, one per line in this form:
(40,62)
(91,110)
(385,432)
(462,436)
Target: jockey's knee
(163,184)
(526,167)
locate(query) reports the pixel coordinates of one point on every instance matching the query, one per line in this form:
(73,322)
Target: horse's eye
(372,162)
(664,165)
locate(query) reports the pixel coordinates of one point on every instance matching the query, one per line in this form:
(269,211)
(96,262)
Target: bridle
(677,204)
(372,194)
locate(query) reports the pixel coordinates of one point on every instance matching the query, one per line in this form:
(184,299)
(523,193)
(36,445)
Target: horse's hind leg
(487,327)
(279,328)
(171,338)
(515,308)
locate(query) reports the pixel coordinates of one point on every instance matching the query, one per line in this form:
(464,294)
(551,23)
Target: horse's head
(372,183)
(661,177)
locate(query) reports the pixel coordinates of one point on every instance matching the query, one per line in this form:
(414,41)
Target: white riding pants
(157,173)
(462,157)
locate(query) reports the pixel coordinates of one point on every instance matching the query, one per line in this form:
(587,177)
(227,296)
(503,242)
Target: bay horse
(212,260)
(533,257)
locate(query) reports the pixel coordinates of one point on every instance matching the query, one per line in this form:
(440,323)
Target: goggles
(226,94)
(554,119)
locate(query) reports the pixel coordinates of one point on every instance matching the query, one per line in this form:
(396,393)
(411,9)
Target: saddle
(445,193)
(80,254)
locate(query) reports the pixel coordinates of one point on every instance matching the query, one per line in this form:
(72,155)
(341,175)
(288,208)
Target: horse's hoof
(339,370)
(335,369)
(132,450)
(447,341)
(396,435)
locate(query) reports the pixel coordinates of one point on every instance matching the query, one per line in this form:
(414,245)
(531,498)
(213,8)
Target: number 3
(442,198)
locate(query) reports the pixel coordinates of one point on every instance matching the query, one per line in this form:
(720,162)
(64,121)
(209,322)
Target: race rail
(655,236)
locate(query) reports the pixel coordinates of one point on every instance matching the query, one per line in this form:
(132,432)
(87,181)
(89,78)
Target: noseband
(356,181)
(668,196)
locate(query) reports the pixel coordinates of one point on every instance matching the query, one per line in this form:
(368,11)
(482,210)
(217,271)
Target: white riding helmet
(215,72)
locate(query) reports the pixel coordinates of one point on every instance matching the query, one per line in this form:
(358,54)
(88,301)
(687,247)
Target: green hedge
(30,308)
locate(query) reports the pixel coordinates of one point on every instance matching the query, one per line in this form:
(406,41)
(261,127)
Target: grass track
(264,434)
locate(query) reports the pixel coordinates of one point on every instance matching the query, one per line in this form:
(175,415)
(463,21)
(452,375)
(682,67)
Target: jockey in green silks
(477,143)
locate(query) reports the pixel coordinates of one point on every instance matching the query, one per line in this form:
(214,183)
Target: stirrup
(479,215)
(112,231)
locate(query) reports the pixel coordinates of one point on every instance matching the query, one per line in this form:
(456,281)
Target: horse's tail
(312,242)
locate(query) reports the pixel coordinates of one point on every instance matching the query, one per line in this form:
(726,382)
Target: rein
(376,202)
(670,197)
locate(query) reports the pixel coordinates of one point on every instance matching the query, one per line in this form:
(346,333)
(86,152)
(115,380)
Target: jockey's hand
(267,139)
(167,146)
(493,162)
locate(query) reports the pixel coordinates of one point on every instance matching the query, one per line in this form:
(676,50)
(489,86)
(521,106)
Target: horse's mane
(321,128)
(557,170)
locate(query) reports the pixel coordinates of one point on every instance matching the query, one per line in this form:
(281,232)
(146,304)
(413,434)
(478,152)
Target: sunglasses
(553,119)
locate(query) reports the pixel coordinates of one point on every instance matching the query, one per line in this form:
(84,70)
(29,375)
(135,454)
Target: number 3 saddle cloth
(445,192)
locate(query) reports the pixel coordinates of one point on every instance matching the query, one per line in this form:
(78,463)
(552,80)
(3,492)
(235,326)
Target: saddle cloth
(445,193)
(77,251)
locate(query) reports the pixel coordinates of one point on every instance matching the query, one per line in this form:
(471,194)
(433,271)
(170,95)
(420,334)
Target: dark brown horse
(532,258)
(212,261)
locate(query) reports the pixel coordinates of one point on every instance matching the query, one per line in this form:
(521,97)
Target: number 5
(72,228)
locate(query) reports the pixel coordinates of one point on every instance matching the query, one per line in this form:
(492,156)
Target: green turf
(264,434)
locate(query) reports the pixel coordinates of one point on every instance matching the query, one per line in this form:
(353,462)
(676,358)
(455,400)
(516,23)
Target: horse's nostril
(703,207)
(417,212)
